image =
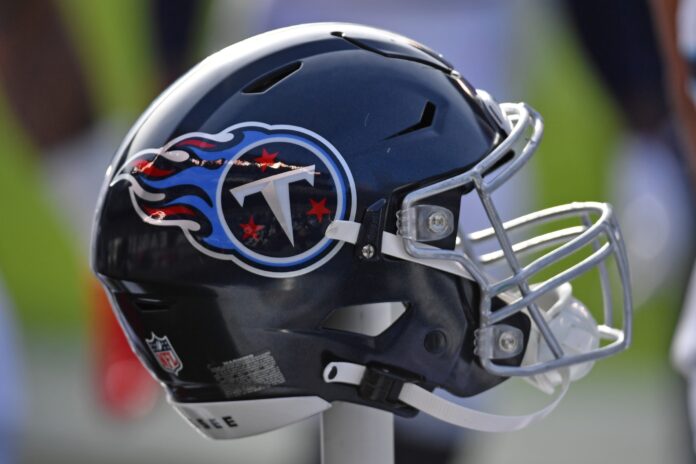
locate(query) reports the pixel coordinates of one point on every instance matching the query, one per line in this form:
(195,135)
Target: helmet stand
(353,433)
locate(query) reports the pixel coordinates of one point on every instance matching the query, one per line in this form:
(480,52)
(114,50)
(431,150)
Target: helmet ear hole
(367,319)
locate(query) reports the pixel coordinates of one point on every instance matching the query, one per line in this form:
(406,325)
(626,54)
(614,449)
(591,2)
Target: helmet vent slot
(151,304)
(267,81)
(367,319)
(426,120)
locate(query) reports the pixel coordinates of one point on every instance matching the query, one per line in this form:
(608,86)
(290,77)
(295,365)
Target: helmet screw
(368,251)
(438,222)
(507,342)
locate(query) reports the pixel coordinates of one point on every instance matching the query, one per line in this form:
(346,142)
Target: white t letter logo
(276,193)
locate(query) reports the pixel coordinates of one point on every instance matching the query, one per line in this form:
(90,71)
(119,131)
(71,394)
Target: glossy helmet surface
(287,177)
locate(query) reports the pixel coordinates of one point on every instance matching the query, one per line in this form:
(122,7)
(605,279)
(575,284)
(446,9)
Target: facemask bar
(602,236)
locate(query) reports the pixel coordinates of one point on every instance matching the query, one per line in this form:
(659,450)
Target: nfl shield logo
(164,352)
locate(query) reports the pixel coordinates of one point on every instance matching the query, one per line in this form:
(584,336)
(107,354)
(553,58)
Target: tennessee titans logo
(259,195)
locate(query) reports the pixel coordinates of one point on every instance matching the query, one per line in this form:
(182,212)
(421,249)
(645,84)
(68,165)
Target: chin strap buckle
(381,385)
(376,384)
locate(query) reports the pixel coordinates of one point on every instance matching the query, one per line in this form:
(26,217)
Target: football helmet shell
(309,169)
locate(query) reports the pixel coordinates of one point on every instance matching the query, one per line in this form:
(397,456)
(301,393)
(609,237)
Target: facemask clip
(425,223)
(500,341)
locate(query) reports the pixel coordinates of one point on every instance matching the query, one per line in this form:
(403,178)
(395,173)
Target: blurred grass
(574,164)
(38,257)
(116,50)
(46,276)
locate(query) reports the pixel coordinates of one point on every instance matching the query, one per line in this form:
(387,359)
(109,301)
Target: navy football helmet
(319,170)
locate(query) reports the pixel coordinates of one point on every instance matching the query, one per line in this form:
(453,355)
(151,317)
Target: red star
(319,209)
(266,159)
(251,229)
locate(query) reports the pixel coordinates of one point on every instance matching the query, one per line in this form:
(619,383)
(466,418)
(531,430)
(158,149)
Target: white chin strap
(445,410)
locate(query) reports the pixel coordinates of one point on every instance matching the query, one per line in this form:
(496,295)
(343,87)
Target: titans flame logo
(259,195)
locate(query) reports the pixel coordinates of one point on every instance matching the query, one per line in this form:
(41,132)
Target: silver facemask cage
(597,234)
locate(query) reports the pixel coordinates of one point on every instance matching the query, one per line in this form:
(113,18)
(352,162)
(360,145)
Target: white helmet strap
(443,409)
(392,245)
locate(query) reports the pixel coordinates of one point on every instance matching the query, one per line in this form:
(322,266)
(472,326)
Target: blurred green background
(116,59)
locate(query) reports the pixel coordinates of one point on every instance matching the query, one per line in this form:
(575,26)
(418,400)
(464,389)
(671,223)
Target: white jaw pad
(237,419)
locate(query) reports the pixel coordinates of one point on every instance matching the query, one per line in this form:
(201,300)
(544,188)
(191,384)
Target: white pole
(351,433)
